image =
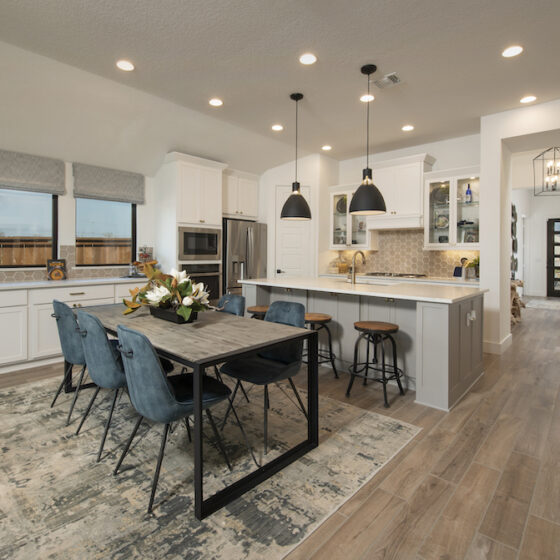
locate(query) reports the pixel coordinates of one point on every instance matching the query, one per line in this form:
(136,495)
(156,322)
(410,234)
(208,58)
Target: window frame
(133,224)
(54,237)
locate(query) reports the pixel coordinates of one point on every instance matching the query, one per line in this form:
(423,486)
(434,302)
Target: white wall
(495,210)
(455,152)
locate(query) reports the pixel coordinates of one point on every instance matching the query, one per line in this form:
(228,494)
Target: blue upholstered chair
(104,365)
(271,366)
(72,350)
(159,398)
(233,304)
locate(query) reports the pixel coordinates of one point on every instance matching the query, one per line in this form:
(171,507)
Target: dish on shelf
(470,237)
(341,205)
(440,195)
(441,222)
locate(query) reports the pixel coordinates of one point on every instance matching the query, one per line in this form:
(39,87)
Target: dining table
(214,338)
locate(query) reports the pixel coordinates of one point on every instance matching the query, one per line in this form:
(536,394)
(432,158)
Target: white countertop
(364,279)
(412,291)
(70,283)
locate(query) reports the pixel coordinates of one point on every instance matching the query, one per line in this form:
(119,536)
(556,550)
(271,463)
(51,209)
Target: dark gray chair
(159,398)
(104,365)
(72,349)
(271,366)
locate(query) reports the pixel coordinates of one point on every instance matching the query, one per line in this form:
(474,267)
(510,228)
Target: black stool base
(323,357)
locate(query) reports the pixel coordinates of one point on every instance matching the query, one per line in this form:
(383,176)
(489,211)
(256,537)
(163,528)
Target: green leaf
(184,312)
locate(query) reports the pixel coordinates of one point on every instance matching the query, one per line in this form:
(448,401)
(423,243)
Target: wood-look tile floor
(482,481)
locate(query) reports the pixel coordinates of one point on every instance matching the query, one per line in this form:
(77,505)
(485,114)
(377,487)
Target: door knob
(278,271)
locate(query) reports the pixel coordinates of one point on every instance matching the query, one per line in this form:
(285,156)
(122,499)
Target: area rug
(57,502)
(542,303)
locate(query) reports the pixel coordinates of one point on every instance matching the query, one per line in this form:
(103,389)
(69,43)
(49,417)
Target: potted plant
(173,297)
(475,263)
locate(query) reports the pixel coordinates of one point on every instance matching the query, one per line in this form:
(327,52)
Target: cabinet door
(210,197)
(13,342)
(438,216)
(230,194)
(339,220)
(408,186)
(248,198)
(189,195)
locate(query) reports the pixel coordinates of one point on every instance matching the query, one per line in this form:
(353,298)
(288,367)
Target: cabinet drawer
(67,294)
(123,290)
(11,298)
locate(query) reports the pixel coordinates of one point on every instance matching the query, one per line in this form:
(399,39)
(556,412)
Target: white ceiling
(447,53)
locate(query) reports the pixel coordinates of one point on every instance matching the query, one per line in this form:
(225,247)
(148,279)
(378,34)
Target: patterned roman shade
(31,173)
(91,181)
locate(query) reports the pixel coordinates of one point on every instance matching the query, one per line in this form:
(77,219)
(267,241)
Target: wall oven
(200,244)
(210,275)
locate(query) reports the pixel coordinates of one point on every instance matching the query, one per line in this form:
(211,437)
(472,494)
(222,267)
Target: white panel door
(248,198)
(13,338)
(210,209)
(293,239)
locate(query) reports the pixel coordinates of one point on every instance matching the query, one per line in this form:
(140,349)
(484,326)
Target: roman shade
(91,181)
(24,172)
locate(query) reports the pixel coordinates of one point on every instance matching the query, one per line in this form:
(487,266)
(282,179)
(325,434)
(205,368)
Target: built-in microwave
(200,244)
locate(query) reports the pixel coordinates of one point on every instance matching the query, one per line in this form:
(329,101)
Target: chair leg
(127,446)
(369,340)
(386,401)
(355,366)
(266,406)
(187,424)
(106,431)
(243,433)
(76,394)
(395,366)
(297,396)
(331,355)
(230,404)
(158,467)
(67,374)
(88,409)
(218,438)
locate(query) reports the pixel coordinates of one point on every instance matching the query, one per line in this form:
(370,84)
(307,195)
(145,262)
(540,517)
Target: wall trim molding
(499,348)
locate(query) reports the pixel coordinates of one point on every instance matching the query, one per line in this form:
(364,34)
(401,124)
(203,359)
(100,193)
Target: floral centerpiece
(173,296)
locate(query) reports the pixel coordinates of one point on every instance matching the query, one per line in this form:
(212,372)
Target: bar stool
(257,311)
(316,322)
(376,333)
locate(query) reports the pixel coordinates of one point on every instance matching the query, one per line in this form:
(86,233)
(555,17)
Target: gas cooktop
(396,274)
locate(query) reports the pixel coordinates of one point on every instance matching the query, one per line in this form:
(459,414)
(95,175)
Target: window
(105,232)
(28,228)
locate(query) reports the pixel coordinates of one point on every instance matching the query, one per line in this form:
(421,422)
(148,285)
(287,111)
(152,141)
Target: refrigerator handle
(249,251)
(242,270)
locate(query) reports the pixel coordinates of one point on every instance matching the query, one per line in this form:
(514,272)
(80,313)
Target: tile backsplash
(403,251)
(67,252)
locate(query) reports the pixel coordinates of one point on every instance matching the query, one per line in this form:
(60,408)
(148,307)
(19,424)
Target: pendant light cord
(367,125)
(296,135)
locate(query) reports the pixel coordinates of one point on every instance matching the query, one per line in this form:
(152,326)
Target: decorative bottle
(468,194)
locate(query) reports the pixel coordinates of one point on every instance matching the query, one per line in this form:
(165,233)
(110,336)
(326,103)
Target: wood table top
(214,336)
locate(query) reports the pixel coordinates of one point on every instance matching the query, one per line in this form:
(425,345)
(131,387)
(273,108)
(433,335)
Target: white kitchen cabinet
(452,218)
(199,195)
(348,232)
(13,326)
(240,195)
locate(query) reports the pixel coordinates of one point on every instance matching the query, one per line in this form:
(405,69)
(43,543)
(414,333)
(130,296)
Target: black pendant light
(296,207)
(367,200)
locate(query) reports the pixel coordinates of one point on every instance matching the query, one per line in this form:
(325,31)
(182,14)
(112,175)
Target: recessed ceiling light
(407,128)
(216,102)
(326,148)
(528,99)
(125,65)
(514,50)
(277,127)
(308,58)
(366,98)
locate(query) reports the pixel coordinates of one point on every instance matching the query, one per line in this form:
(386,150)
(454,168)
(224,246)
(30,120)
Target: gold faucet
(353,268)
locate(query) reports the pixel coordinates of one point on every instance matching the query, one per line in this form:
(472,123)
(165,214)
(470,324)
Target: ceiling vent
(389,80)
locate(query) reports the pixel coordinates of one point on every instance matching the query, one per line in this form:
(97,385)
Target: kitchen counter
(365,279)
(376,287)
(70,283)
(439,341)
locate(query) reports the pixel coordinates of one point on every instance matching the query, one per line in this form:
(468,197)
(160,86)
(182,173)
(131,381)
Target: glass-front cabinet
(452,200)
(347,231)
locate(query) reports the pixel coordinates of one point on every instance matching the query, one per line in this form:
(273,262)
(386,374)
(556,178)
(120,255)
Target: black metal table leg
(197,443)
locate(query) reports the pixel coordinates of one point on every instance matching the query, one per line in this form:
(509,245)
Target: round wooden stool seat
(376,327)
(317,318)
(257,310)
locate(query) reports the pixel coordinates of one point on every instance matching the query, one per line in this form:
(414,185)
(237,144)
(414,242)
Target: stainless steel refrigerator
(244,253)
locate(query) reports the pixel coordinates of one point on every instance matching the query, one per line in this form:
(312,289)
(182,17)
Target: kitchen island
(440,327)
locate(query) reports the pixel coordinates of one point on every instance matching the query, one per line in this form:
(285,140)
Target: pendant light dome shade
(367,200)
(296,207)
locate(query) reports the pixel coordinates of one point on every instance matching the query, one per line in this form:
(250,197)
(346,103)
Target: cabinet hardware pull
(201,221)
(77,293)
(390,300)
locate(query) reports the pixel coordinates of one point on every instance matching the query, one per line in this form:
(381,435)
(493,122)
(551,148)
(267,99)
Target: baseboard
(497,347)
(30,365)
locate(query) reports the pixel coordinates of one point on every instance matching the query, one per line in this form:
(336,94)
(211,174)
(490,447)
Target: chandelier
(546,172)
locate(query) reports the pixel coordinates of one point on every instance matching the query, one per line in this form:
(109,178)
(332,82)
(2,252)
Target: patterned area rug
(57,502)
(542,303)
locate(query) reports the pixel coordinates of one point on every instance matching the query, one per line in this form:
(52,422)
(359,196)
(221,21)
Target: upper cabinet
(401,182)
(240,195)
(348,231)
(452,200)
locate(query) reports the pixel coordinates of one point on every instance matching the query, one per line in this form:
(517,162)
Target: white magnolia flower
(179,275)
(199,294)
(156,294)
(188,301)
